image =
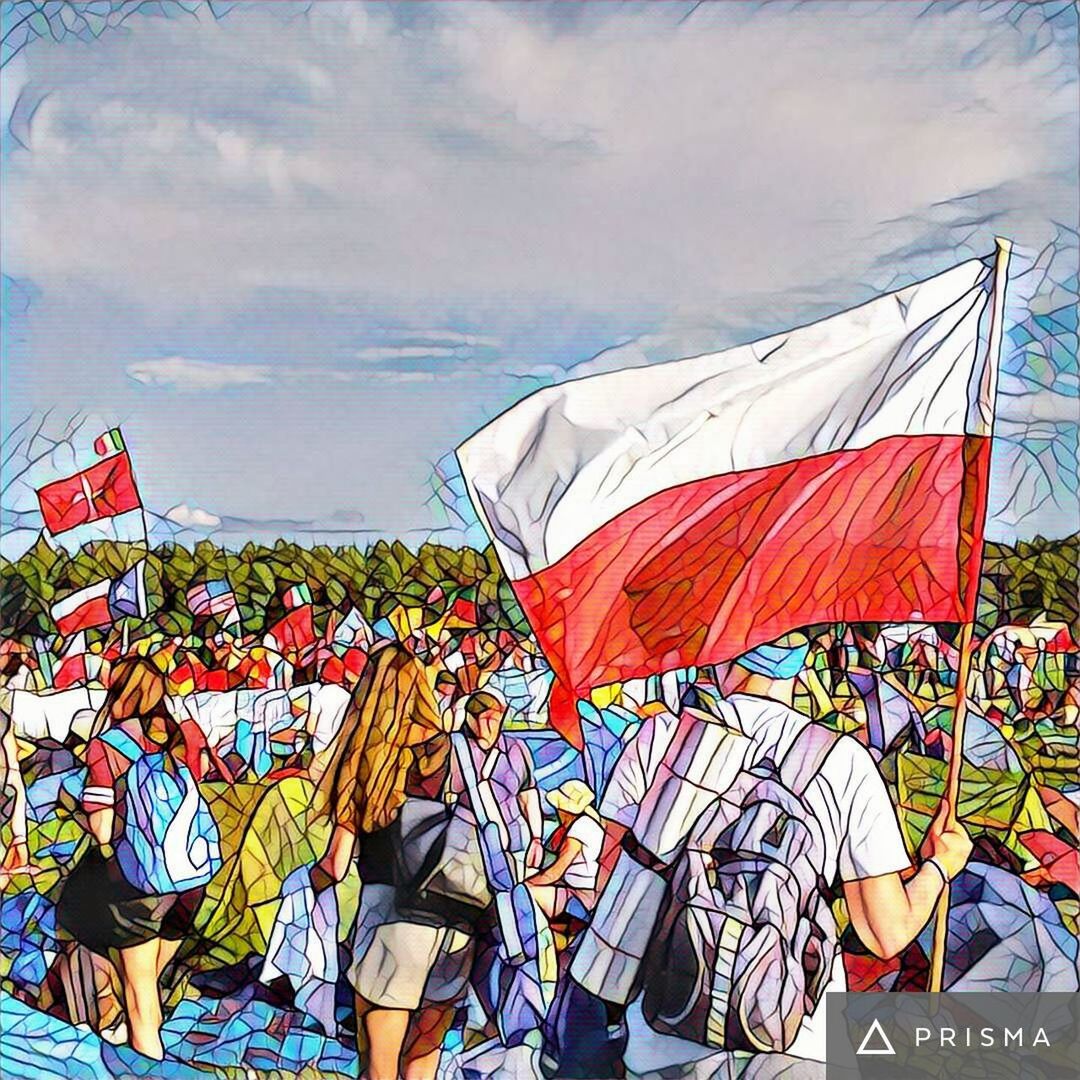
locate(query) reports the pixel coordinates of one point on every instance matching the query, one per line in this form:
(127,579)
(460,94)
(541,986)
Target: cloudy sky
(299,253)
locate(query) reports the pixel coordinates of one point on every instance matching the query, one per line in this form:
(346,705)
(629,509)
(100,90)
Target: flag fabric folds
(682,513)
(127,593)
(83,609)
(212,598)
(101,491)
(109,442)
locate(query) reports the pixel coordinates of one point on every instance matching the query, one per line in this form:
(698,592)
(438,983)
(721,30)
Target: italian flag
(297,596)
(111,442)
(681,513)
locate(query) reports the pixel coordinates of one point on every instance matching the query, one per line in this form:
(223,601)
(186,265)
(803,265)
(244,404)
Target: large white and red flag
(682,513)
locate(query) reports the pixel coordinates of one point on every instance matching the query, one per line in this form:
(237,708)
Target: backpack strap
(120,740)
(806,756)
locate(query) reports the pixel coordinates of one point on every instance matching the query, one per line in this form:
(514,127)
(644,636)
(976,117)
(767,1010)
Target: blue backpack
(170,841)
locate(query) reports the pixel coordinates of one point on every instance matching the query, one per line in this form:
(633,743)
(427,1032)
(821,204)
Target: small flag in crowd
(297,596)
(212,598)
(111,442)
(463,606)
(293,635)
(46,660)
(102,602)
(127,593)
(83,609)
(77,670)
(102,491)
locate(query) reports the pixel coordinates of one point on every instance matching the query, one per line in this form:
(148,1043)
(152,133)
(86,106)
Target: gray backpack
(746,942)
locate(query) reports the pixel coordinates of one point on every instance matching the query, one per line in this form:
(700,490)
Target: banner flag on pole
(212,598)
(83,609)
(127,594)
(109,442)
(102,491)
(682,513)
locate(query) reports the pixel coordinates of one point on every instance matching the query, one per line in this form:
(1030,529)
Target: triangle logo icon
(882,1046)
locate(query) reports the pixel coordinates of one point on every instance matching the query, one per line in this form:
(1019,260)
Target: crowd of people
(679,877)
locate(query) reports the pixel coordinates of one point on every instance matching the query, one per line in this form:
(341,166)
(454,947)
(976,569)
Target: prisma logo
(875,1041)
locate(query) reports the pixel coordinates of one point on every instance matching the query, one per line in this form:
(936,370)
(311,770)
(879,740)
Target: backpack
(747,940)
(438,854)
(170,842)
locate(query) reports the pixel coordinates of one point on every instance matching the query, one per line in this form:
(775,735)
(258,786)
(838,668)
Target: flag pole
(976,507)
(125,635)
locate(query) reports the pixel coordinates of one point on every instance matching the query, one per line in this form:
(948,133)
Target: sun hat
(572,796)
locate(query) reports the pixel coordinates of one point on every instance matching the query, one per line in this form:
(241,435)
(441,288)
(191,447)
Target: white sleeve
(871,843)
(590,833)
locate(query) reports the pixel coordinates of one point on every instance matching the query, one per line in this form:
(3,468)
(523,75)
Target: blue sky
(300,252)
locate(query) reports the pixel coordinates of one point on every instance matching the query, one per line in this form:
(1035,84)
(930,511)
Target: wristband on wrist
(936,864)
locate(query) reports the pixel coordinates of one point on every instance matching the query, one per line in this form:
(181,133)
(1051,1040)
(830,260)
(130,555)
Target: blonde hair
(137,692)
(391,716)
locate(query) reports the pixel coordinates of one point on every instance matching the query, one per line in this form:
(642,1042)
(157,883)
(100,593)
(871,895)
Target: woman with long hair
(408,976)
(138,930)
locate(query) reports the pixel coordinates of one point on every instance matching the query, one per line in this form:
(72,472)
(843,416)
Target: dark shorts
(102,911)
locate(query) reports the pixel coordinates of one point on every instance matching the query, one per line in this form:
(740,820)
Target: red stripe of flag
(93,611)
(703,572)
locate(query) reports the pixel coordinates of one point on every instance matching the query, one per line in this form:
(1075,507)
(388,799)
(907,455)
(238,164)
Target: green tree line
(1019,582)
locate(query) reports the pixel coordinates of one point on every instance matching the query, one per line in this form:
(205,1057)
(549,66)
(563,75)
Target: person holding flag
(688,513)
(665,791)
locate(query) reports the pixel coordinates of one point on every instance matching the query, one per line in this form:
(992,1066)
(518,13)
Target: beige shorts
(402,965)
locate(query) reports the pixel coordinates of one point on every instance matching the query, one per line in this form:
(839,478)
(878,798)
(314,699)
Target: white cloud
(191,376)
(192,517)
(180,373)
(460,370)
(406,352)
(558,176)
(618,159)
(447,337)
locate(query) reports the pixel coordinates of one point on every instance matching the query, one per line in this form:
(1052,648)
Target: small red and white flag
(682,513)
(104,490)
(84,609)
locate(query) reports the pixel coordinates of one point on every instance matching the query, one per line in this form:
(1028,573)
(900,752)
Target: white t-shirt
(636,767)
(861,834)
(583,871)
(848,796)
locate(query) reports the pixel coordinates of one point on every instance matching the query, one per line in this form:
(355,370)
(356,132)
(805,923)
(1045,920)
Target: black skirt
(100,909)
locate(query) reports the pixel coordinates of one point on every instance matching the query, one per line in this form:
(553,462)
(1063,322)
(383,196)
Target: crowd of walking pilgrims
(422,874)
